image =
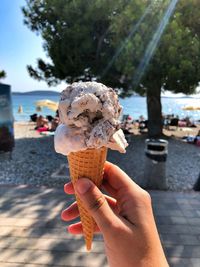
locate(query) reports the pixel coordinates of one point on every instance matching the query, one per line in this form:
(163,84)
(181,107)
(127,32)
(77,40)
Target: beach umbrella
(192,107)
(47,104)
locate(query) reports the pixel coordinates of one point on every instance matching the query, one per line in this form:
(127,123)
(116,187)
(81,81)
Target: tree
(2,74)
(122,43)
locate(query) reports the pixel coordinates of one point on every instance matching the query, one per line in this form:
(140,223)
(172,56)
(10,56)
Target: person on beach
(127,125)
(41,122)
(54,124)
(125,219)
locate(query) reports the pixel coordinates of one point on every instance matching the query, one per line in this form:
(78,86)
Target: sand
(25,130)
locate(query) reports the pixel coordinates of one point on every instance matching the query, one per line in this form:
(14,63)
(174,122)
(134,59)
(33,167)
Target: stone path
(33,235)
(178,220)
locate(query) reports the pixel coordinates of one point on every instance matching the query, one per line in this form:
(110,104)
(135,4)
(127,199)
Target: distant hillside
(43,93)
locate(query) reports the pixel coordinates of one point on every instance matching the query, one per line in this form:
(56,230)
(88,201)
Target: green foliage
(96,39)
(2,74)
(178,55)
(76,37)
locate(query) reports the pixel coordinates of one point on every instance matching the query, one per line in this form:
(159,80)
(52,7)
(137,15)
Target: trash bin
(6,120)
(156,151)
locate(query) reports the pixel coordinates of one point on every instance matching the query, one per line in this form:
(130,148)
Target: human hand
(125,219)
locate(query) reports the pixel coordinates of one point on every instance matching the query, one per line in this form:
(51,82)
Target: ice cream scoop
(89,114)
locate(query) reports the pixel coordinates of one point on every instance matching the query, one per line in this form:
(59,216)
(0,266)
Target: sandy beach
(34,159)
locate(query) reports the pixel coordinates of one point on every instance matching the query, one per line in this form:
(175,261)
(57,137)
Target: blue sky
(19,47)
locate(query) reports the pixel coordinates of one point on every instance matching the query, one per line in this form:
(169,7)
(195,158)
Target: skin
(125,219)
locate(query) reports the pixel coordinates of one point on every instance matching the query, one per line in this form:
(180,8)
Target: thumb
(96,203)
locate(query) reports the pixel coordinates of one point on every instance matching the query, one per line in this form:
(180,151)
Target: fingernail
(83,185)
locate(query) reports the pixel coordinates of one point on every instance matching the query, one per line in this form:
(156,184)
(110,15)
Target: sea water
(135,106)
(28,104)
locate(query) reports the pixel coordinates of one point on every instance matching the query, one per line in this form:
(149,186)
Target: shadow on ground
(32,231)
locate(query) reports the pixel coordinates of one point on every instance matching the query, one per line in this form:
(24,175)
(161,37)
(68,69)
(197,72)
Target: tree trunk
(154,109)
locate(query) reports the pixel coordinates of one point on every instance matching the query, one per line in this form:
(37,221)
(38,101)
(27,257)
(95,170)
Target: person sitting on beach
(41,122)
(49,118)
(186,122)
(127,124)
(166,121)
(142,124)
(54,124)
(33,117)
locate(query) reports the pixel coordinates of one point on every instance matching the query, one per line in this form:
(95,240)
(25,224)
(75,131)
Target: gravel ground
(34,160)
(182,165)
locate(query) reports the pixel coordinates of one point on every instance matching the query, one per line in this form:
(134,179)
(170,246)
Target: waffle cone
(88,163)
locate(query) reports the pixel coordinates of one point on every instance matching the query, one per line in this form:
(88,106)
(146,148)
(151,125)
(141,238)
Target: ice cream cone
(88,163)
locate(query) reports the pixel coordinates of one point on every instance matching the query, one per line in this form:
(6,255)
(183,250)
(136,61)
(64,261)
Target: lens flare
(151,48)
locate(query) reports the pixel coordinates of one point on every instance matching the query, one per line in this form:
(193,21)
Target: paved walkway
(32,234)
